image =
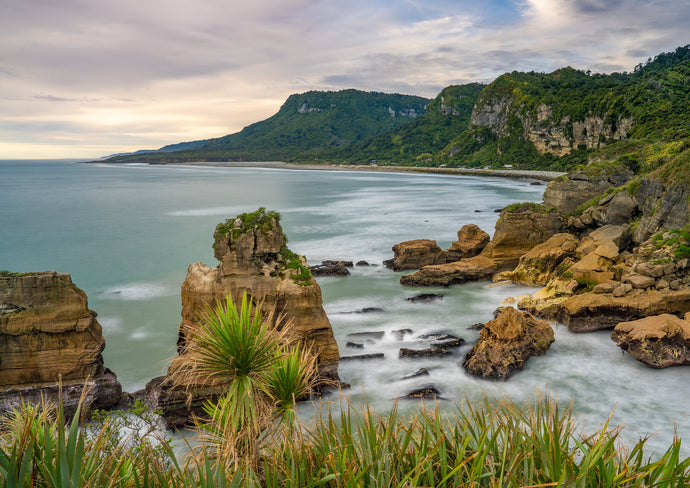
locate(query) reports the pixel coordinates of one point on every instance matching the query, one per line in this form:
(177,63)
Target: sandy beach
(505,173)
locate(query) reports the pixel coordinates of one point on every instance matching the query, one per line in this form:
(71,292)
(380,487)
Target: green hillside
(528,120)
(446,116)
(305,126)
(559,119)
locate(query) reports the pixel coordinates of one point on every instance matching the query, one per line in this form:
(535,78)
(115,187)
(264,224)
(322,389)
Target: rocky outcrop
(567,193)
(593,311)
(663,208)
(506,343)
(415,254)
(543,262)
(49,335)
(659,341)
(471,241)
(519,228)
(254,260)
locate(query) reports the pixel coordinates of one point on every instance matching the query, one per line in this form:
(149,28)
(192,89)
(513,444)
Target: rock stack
(48,336)
(254,260)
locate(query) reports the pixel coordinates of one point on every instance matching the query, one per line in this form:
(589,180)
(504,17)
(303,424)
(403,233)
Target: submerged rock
(375,335)
(430,352)
(506,342)
(47,335)
(363,357)
(425,297)
(415,374)
(424,393)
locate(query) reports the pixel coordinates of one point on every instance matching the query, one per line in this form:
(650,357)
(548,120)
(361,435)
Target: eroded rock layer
(48,335)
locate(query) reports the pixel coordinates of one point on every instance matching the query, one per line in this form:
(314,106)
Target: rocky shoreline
(611,251)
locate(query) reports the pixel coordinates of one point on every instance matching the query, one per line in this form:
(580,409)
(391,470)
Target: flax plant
(265,372)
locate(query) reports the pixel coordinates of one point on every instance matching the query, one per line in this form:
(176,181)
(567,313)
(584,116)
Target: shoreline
(503,173)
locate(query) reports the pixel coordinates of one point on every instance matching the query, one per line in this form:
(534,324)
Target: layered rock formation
(48,335)
(418,253)
(471,241)
(253,259)
(506,343)
(519,228)
(415,254)
(659,341)
(567,193)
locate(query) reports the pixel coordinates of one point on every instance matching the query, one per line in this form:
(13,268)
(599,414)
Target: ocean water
(126,234)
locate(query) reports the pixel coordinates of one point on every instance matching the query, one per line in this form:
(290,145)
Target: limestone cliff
(253,259)
(47,335)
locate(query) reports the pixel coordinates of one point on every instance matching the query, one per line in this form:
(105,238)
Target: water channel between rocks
(127,234)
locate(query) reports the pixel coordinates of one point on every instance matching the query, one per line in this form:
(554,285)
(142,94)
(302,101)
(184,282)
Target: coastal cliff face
(509,114)
(48,335)
(254,260)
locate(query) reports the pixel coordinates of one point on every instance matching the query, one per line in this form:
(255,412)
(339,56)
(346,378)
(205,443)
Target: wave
(138,291)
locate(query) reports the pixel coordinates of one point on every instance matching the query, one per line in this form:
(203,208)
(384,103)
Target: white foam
(111,324)
(203,212)
(138,291)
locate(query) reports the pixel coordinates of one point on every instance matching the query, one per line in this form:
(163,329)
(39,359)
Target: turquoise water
(126,234)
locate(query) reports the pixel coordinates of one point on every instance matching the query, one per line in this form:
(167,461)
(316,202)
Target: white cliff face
(549,135)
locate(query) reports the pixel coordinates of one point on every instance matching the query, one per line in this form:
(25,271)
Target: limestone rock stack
(47,335)
(254,260)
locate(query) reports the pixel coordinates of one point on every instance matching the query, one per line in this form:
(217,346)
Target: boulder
(254,260)
(539,265)
(658,341)
(617,236)
(49,335)
(415,254)
(331,268)
(506,342)
(471,241)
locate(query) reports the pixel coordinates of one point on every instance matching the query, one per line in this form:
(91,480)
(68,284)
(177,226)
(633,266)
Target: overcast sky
(87,78)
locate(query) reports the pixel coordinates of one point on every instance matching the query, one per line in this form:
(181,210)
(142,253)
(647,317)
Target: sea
(127,232)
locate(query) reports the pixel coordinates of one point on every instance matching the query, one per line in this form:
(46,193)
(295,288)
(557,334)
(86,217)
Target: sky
(89,78)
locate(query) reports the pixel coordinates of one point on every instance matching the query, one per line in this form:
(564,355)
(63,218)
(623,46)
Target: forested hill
(305,126)
(528,120)
(447,116)
(560,119)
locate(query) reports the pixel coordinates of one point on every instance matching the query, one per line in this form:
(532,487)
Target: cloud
(126,75)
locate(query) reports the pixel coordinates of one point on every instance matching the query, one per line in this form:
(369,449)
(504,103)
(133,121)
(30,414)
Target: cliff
(48,335)
(254,259)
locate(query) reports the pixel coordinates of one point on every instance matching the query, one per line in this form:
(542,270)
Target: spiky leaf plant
(265,371)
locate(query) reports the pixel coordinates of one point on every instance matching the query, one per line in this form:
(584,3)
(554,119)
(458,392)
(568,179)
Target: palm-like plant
(265,371)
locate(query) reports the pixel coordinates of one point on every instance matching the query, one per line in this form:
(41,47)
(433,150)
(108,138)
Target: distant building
(508,166)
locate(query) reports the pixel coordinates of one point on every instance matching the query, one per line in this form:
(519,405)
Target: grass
(493,443)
